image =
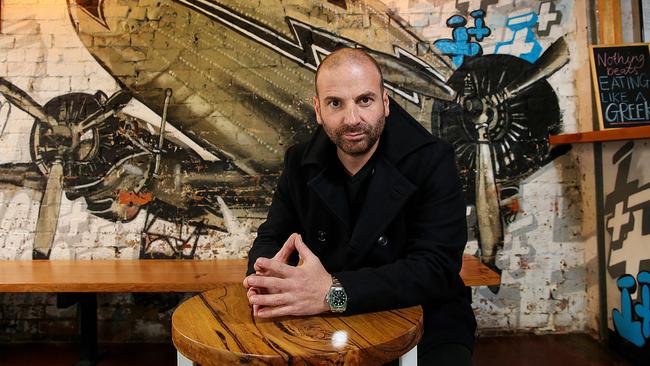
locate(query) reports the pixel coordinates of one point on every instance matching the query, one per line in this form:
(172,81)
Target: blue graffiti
(461,45)
(635,331)
(642,309)
(479,30)
(523,42)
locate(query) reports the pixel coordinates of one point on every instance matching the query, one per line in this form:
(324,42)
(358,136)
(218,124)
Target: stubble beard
(355,148)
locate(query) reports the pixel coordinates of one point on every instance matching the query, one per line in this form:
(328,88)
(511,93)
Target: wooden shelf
(629,133)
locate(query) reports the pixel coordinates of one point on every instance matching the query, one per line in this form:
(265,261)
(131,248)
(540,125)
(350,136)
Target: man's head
(351,102)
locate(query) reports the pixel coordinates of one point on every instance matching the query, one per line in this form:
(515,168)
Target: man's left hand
(291,290)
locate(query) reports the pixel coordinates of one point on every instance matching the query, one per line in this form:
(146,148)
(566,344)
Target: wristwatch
(336,297)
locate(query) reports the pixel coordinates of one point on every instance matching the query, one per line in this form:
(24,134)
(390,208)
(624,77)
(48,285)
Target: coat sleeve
(437,234)
(281,222)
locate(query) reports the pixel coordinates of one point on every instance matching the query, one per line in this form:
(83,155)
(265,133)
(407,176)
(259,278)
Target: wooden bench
(159,275)
(86,278)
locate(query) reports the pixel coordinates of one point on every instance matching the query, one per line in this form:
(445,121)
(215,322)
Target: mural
(211,93)
(627,227)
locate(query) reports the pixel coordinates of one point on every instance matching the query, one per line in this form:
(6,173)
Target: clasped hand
(279,289)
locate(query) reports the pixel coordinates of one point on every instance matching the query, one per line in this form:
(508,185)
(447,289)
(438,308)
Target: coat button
(321,236)
(383,240)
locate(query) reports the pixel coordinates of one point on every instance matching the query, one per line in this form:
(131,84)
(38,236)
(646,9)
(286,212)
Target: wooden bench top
(475,273)
(156,275)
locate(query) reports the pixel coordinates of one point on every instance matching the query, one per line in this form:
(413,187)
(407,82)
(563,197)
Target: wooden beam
(609,22)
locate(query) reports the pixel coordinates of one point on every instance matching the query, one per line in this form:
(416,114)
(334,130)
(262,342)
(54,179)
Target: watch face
(338,299)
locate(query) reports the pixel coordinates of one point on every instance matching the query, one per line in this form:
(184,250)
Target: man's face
(351,106)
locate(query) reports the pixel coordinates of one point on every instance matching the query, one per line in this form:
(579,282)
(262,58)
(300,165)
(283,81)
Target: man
(373,207)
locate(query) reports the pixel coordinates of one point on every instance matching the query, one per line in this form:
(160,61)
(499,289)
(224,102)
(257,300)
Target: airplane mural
(228,85)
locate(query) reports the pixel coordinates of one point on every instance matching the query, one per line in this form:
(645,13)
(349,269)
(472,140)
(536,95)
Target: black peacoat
(407,245)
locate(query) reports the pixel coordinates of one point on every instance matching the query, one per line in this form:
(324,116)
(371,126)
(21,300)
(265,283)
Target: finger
(286,250)
(245,282)
(274,268)
(252,291)
(259,268)
(272,284)
(274,312)
(273,300)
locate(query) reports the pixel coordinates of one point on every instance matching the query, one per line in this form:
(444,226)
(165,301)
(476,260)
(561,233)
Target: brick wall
(237,102)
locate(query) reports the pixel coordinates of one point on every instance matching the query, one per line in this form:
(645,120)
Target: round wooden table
(217,327)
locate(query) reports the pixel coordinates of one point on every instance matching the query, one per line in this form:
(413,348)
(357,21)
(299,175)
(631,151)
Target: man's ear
(317,109)
(386,103)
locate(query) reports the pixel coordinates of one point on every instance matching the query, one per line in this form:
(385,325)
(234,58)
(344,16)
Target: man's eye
(335,104)
(366,100)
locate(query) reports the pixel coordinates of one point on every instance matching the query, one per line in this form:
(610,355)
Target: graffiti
(632,321)
(108,157)
(461,46)
(547,18)
(521,40)
(496,131)
(627,218)
(5,112)
(463,6)
(211,93)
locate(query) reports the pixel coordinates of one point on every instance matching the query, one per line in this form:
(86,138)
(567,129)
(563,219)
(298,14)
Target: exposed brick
(61,329)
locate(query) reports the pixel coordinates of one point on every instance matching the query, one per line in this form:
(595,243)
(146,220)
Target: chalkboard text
(622,79)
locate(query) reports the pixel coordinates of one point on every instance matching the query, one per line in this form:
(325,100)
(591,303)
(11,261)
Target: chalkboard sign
(621,77)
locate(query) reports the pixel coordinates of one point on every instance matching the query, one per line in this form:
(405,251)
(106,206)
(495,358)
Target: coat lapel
(387,193)
(330,189)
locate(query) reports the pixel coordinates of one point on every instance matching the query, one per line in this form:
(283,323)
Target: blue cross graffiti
(461,45)
(523,42)
(479,30)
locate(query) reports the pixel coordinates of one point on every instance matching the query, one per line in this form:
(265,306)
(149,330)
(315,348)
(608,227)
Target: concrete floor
(573,350)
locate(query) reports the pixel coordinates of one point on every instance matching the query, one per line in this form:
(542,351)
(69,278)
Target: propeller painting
(211,93)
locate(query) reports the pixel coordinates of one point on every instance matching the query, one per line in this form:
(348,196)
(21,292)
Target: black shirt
(356,187)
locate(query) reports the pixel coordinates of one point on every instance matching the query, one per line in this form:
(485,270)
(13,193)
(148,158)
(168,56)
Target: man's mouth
(354,135)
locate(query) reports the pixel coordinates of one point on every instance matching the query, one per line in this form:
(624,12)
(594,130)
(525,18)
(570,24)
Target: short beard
(371,137)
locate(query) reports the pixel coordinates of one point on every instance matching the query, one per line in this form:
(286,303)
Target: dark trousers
(450,354)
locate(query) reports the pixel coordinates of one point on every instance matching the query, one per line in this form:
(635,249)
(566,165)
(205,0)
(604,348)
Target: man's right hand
(281,256)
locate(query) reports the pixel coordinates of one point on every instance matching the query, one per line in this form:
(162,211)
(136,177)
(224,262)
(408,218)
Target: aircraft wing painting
(241,73)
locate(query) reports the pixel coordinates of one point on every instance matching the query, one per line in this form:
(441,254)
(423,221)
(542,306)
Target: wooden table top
(155,275)
(217,328)
(475,273)
(150,275)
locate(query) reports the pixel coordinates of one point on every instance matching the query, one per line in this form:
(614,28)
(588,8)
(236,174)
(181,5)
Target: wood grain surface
(156,275)
(475,273)
(217,328)
(615,134)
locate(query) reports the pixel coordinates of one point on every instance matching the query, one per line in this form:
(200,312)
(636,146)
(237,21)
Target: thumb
(303,249)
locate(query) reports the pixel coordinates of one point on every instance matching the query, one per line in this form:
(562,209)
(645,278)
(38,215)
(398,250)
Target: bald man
(368,215)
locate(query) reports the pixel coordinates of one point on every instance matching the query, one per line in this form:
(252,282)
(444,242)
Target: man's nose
(352,116)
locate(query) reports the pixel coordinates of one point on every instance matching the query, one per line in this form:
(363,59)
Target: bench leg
(182,360)
(410,358)
(87,322)
(88,326)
